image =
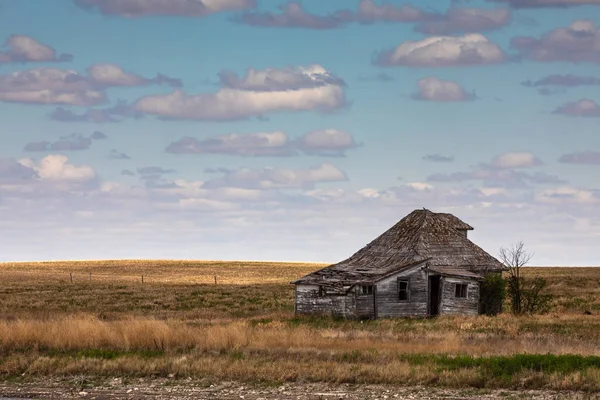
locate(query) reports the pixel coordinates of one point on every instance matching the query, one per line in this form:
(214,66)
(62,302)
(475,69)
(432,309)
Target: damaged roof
(420,236)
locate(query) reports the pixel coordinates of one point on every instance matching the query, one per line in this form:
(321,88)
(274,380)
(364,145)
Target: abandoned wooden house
(424,265)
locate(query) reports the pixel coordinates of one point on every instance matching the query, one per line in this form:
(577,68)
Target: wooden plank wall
(307,301)
(388,304)
(452,305)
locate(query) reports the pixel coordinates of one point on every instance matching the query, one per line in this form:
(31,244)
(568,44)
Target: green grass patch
(505,367)
(105,354)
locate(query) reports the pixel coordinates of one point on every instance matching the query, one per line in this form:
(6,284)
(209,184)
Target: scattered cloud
(582,157)
(179,8)
(568,194)
(502,171)
(116,113)
(117,155)
(443,51)
(22,49)
(466,20)
(278,178)
(563,80)
(97,135)
(278,79)
(253,145)
(127,172)
(327,142)
(293,15)
(56,168)
(547,3)
(111,75)
(219,170)
(68,87)
(48,86)
(580,42)
(73,142)
(516,160)
(438,158)
(434,89)
(154,170)
(455,20)
(12,171)
(580,108)
(253,96)
(496,177)
(369,12)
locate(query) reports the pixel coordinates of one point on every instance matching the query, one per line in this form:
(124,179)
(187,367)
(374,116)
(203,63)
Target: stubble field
(178,324)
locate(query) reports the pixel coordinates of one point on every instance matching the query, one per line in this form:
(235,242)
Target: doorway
(434,295)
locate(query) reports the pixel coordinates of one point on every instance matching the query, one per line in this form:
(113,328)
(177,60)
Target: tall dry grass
(482,336)
(179,322)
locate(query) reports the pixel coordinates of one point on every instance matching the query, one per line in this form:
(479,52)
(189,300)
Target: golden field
(180,323)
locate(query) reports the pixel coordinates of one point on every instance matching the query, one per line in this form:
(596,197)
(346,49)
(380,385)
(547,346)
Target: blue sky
(242,129)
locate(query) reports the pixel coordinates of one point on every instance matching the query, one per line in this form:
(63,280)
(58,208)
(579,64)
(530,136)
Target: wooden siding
(388,304)
(364,304)
(452,305)
(308,301)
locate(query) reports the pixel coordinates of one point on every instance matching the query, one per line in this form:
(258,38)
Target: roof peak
(450,218)
(421,236)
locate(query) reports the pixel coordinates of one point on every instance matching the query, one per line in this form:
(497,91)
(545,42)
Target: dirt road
(176,390)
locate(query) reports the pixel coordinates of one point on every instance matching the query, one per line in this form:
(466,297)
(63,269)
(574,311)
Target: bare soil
(176,389)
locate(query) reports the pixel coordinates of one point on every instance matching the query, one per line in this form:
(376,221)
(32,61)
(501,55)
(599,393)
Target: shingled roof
(420,236)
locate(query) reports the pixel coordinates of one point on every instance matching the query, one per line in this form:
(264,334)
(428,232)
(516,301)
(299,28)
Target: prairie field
(97,319)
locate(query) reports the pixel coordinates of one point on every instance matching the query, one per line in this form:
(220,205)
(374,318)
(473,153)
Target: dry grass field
(180,324)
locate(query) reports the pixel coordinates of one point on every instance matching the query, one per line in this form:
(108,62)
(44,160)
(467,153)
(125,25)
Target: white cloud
(422,186)
(275,79)
(326,142)
(253,144)
(579,42)
(278,178)
(69,87)
(56,168)
(26,49)
(547,3)
(466,20)
(567,195)
(261,97)
(516,160)
(48,86)
(111,75)
(434,89)
(581,108)
(443,51)
(182,8)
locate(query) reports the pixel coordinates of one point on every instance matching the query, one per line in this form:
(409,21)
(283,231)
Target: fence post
(142,278)
(71,276)
(215,279)
(90,276)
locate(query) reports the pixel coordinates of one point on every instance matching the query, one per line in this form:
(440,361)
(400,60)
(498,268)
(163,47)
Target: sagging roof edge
(438,271)
(377,278)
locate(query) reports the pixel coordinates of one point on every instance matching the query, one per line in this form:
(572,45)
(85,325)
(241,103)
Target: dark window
(403,290)
(461,290)
(366,289)
(321,291)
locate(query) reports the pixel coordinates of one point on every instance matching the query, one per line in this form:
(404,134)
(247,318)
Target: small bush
(493,291)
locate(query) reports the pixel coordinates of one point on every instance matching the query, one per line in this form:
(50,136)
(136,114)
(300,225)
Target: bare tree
(525,295)
(514,257)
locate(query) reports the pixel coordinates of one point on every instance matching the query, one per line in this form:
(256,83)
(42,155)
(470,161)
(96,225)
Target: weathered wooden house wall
(388,302)
(308,301)
(384,302)
(452,305)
